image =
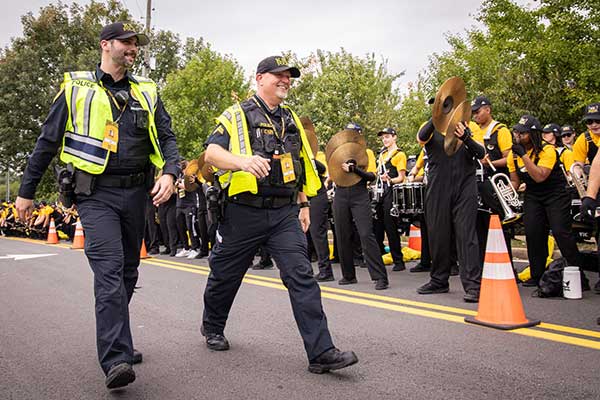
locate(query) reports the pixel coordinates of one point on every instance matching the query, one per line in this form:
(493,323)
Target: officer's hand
(256,165)
(24,208)
(162,190)
(304,217)
(588,209)
(518,149)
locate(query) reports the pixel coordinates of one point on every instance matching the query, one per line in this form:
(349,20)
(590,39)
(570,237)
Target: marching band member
(391,170)
(547,202)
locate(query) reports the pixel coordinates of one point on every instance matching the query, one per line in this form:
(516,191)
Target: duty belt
(255,201)
(121,181)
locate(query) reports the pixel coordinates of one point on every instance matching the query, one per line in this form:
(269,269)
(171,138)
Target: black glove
(467,134)
(518,149)
(588,209)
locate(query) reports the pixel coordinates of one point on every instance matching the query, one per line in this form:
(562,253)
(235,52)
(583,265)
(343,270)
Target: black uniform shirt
(133,148)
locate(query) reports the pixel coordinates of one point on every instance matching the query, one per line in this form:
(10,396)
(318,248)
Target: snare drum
(409,198)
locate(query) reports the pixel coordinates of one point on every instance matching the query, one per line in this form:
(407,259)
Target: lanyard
(277,134)
(115,102)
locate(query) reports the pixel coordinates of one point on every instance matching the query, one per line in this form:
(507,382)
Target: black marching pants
(319,223)
(113,221)
(239,235)
(452,213)
(353,203)
(168,223)
(544,213)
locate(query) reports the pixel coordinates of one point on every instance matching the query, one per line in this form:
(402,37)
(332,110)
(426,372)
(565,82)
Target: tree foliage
(541,61)
(196,94)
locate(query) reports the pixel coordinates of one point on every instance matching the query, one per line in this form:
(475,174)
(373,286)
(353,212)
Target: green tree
(60,38)
(336,88)
(196,94)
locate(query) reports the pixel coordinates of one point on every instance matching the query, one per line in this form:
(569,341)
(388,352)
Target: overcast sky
(403,32)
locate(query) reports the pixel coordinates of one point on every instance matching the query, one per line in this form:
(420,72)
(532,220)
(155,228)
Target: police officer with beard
(113,127)
(266,173)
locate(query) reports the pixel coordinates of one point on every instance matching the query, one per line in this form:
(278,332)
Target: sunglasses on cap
(592,121)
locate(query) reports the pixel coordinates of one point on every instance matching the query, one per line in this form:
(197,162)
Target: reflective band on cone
(79,238)
(500,303)
(414,238)
(52,235)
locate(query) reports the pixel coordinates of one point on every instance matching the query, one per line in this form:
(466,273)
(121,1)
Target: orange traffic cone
(143,253)
(500,304)
(414,238)
(79,238)
(52,235)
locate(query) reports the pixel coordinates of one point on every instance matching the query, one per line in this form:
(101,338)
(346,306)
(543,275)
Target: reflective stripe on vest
(89,109)
(234,120)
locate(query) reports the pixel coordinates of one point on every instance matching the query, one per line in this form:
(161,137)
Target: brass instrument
(507,196)
(449,108)
(579,179)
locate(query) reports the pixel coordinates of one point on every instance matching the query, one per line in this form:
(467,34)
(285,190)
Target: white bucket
(571,283)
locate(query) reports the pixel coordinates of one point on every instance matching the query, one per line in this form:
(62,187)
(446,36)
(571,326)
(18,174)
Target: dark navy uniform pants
(113,222)
(243,230)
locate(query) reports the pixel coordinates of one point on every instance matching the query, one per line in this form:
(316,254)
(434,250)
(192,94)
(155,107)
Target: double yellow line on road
(547,331)
(552,332)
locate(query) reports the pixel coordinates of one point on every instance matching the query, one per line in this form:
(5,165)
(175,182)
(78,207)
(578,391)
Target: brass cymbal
(345,136)
(450,95)
(205,169)
(311,135)
(345,152)
(192,168)
(461,113)
(189,176)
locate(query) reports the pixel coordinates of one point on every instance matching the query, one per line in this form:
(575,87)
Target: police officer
(266,177)
(547,202)
(451,210)
(112,126)
(391,170)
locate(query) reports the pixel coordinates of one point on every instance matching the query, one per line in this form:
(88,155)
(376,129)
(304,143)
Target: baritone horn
(507,195)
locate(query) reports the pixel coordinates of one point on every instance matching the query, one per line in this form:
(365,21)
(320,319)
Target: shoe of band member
(399,266)
(420,268)
(430,288)
(166,251)
(137,357)
(259,266)
(331,360)
(471,297)
(201,255)
(324,277)
(382,284)
(192,254)
(153,252)
(182,253)
(345,281)
(119,375)
(454,270)
(529,283)
(215,341)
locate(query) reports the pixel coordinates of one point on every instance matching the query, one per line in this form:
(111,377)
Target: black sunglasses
(592,121)
(566,134)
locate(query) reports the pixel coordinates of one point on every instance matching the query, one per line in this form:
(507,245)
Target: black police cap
(123,30)
(276,64)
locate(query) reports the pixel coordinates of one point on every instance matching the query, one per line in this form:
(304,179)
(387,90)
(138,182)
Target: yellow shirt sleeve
(504,139)
(372,166)
(399,161)
(547,157)
(580,149)
(476,132)
(510,162)
(567,158)
(420,160)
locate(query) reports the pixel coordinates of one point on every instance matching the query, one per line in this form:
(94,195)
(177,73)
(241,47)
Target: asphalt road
(409,346)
